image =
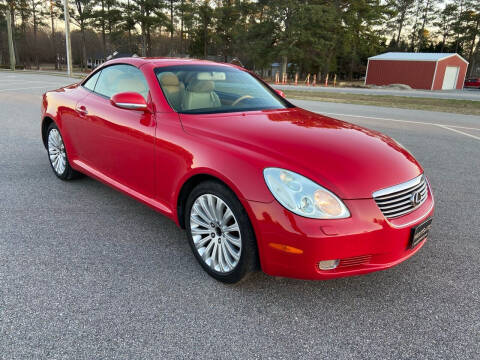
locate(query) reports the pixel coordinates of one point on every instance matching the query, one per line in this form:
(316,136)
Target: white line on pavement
(460,132)
(31,81)
(404,121)
(27,88)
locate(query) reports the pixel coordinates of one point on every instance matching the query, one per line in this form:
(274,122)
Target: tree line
(304,36)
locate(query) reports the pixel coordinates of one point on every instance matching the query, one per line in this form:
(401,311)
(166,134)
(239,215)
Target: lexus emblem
(416,198)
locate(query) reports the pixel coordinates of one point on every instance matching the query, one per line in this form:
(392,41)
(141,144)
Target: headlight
(302,196)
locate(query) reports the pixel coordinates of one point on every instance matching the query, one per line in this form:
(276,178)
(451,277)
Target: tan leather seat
(173,89)
(200,94)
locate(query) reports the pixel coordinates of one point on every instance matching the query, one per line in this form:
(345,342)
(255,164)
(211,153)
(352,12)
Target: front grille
(402,199)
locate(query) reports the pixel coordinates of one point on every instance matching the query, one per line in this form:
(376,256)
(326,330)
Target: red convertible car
(254,180)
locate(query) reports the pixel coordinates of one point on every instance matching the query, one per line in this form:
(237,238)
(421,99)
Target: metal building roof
(411,56)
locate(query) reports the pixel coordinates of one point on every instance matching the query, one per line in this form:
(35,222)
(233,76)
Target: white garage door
(450,78)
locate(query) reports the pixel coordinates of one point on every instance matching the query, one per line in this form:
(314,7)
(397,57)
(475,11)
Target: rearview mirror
(212,76)
(280,92)
(129,100)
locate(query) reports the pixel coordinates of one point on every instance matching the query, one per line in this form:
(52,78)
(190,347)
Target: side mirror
(280,92)
(130,101)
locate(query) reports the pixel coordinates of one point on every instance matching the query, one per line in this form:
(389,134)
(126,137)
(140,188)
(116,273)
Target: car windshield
(203,89)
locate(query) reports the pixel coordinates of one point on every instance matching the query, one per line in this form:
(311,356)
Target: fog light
(328,264)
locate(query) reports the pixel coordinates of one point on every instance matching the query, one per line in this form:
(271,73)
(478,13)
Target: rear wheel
(58,155)
(220,233)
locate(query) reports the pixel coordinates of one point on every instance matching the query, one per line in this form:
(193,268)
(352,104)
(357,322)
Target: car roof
(163,61)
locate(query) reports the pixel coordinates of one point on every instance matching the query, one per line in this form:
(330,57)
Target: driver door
(124,138)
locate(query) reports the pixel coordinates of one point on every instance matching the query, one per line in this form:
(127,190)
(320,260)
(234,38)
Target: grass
(467,107)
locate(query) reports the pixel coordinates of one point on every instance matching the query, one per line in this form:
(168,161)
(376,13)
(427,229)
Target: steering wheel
(241,98)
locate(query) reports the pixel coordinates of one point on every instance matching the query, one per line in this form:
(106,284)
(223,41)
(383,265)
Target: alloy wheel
(216,233)
(56,151)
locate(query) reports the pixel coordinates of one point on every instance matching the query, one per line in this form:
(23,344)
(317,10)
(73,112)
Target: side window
(90,83)
(121,78)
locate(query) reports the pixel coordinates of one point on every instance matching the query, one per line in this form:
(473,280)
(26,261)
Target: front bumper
(363,243)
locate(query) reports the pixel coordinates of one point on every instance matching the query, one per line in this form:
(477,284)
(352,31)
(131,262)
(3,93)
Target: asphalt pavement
(88,273)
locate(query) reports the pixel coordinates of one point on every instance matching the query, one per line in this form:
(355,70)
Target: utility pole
(67,38)
(11,50)
(54,43)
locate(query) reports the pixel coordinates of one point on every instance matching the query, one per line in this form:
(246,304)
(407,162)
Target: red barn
(427,71)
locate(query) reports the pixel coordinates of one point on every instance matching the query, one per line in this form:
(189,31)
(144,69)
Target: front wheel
(58,155)
(220,233)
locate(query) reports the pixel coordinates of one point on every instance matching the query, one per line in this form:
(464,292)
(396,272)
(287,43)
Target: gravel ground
(87,273)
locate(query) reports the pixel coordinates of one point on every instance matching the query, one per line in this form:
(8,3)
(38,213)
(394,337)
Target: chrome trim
(397,200)
(400,196)
(396,196)
(131,106)
(399,187)
(420,218)
(390,206)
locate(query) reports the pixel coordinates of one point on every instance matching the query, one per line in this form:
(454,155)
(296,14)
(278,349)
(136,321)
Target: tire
(224,253)
(57,154)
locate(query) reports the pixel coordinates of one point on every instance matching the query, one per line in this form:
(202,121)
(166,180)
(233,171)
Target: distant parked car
(472,83)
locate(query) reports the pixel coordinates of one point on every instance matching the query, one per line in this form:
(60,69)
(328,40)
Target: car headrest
(201,86)
(169,79)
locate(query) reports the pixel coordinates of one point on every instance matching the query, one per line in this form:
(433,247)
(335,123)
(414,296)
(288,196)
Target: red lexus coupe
(254,180)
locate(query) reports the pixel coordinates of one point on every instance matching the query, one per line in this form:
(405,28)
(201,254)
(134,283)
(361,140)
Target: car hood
(349,160)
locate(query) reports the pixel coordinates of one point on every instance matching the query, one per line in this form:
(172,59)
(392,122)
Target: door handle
(82,110)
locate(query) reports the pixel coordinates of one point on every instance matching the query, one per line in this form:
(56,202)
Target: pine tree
(37,12)
(445,23)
